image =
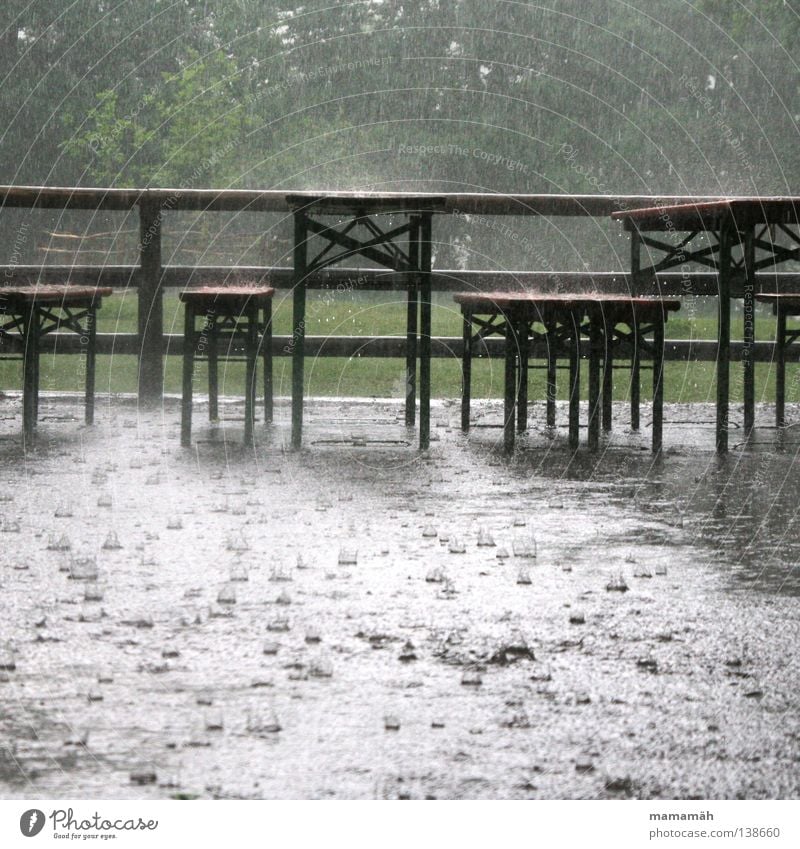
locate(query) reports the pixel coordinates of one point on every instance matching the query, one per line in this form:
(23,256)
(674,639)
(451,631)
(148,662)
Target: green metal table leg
(298,325)
(188,366)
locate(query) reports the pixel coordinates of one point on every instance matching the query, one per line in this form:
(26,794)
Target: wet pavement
(359,620)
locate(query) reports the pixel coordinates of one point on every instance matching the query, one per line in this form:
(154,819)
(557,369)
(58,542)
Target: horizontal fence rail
(388,347)
(669,284)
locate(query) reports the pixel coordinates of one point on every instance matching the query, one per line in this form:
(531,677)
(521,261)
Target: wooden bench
(783,306)
(239,316)
(28,313)
(555,324)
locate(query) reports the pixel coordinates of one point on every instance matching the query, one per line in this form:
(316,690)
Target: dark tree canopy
(565,95)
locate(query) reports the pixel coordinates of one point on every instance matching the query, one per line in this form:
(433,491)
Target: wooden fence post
(151,307)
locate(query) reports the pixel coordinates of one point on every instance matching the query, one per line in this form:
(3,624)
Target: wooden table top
(217,294)
(511,300)
(53,294)
(788,303)
(708,215)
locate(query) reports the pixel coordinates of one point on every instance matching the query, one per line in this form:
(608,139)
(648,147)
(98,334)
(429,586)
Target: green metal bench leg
(466,370)
(608,377)
(188,366)
(552,354)
(724,336)
(266,346)
(425,334)
(636,379)
(251,355)
(298,325)
(780,366)
(91,356)
(658,383)
(575,383)
(210,332)
(30,386)
(595,350)
(412,316)
(522,376)
(510,395)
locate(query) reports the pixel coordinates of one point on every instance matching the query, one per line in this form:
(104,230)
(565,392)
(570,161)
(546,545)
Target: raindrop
(617,584)
(263,722)
(77,737)
(174,523)
(58,543)
(485,539)
(348,557)
(143,776)
(408,653)
(524,547)
(391,723)
(456,546)
(471,678)
(320,668)
(280,573)
(283,598)
(237,543)
(93,592)
(7,658)
(436,575)
(227,595)
(524,577)
(83,569)
(430,532)
(214,721)
(112,541)
(238,573)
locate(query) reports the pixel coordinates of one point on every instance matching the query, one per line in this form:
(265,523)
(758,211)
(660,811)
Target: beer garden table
(737,237)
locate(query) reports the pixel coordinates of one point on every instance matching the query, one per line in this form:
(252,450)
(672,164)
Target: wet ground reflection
(357,620)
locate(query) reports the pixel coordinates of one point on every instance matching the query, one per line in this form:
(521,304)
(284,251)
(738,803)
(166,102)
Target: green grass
(355,314)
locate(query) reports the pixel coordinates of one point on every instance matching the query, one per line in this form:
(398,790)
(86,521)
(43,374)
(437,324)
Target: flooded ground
(358,620)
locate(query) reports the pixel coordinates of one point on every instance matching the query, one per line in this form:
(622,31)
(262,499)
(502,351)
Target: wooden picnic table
(27,313)
(565,319)
(737,237)
(361,229)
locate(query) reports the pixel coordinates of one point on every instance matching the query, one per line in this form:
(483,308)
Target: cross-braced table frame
(405,247)
(29,313)
(239,317)
(737,238)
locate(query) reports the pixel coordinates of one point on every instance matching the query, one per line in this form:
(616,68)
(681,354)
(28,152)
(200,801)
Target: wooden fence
(151,278)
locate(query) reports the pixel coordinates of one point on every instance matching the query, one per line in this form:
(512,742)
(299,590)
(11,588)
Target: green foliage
(182,132)
(652,97)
